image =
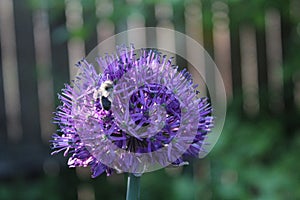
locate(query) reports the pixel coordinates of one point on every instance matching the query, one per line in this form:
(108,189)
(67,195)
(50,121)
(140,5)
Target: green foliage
(252,161)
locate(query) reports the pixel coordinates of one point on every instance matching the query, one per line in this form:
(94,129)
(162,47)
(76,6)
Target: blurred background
(255,44)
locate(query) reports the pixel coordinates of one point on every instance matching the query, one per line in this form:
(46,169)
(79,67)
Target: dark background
(255,44)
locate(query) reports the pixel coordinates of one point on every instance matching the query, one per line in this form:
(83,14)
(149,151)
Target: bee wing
(97,94)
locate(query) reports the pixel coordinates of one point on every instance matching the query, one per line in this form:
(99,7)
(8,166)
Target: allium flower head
(140,114)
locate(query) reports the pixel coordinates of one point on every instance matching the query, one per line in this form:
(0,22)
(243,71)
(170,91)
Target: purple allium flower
(140,114)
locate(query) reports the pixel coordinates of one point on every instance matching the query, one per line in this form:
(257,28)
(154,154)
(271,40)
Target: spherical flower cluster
(139,114)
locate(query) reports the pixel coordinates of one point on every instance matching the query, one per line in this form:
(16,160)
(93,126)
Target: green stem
(133,187)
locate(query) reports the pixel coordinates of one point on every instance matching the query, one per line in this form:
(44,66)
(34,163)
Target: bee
(105,94)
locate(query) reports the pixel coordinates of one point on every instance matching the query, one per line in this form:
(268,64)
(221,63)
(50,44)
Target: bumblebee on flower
(142,113)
